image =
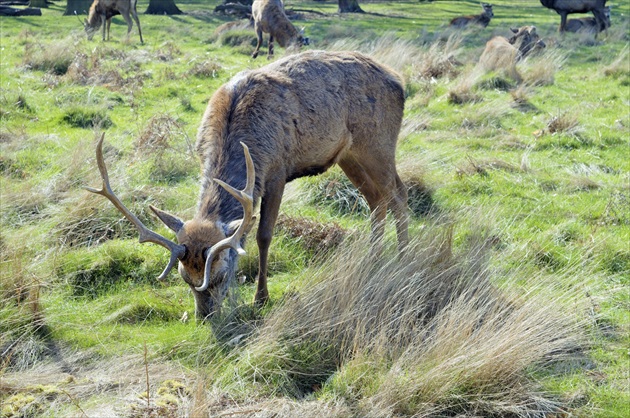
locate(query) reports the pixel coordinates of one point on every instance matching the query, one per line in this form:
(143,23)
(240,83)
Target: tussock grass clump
(463,92)
(439,60)
(93,272)
(541,69)
(419,192)
(206,69)
(334,190)
(239,39)
(521,96)
(619,68)
(86,223)
(87,118)
(317,238)
(563,123)
(472,167)
(423,334)
(54,58)
(171,158)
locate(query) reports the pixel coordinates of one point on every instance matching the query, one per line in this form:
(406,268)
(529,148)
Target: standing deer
(588,24)
(102,11)
(269,17)
(483,19)
(293,118)
(565,7)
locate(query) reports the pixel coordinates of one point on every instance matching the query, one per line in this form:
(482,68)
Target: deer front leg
(259,34)
(563,21)
(268,214)
(109,22)
(104,24)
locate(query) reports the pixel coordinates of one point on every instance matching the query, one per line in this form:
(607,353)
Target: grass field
(513,300)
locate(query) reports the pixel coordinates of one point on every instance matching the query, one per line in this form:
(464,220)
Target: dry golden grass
(426,334)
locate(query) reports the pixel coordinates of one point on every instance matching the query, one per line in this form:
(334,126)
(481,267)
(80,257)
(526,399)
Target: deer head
(206,249)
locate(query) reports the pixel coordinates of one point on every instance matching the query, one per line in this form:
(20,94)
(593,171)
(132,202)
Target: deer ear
(173,222)
(514,30)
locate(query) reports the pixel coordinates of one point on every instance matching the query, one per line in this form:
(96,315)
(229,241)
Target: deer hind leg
(129,23)
(270,55)
(382,189)
(109,22)
(104,25)
(134,13)
(259,35)
(269,208)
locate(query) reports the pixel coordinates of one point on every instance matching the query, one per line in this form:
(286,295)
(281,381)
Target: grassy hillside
(513,300)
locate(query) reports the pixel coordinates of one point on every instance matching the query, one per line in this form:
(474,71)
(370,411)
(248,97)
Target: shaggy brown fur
(503,54)
(565,7)
(298,116)
(102,11)
(588,24)
(483,19)
(269,17)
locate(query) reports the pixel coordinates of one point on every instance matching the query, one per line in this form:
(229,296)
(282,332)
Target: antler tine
(146,235)
(246,198)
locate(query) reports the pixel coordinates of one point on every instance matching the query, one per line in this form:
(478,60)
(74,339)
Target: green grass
(541,169)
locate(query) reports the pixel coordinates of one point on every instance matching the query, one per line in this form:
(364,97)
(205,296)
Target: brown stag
(566,7)
(269,17)
(293,118)
(102,11)
(482,19)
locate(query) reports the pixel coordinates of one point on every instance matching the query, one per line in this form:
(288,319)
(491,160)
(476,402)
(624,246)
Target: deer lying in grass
(293,118)
(566,7)
(102,11)
(269,17)
(503,54)
(588,24)
(483,19)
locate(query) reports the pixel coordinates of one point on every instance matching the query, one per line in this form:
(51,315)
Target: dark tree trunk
(78,7)
(42,4)
(349,6)
(162,7)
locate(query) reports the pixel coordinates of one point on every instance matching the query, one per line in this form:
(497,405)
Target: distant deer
(588,24)
(502,53)
(483,19)
(102,11)
(269,17)
(565,7)
(296,117)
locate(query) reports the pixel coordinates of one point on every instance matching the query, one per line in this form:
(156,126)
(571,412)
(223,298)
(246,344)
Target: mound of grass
(426,334)
(87,118)
(335,191)
(54,58)
(93,272)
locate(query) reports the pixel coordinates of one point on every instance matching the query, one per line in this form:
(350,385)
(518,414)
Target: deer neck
(214,202)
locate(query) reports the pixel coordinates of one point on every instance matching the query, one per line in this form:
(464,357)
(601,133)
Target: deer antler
(246,198)
(146,235)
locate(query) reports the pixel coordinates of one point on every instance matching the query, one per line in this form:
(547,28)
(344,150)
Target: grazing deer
(102,11)
(293,118)
(565,7)
(269,17)
(588,24)
(503,54)
(483,19)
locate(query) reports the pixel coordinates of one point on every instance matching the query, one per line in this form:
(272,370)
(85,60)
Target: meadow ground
(513,301)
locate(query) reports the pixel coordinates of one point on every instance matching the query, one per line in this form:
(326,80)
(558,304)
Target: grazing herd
(292,118)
